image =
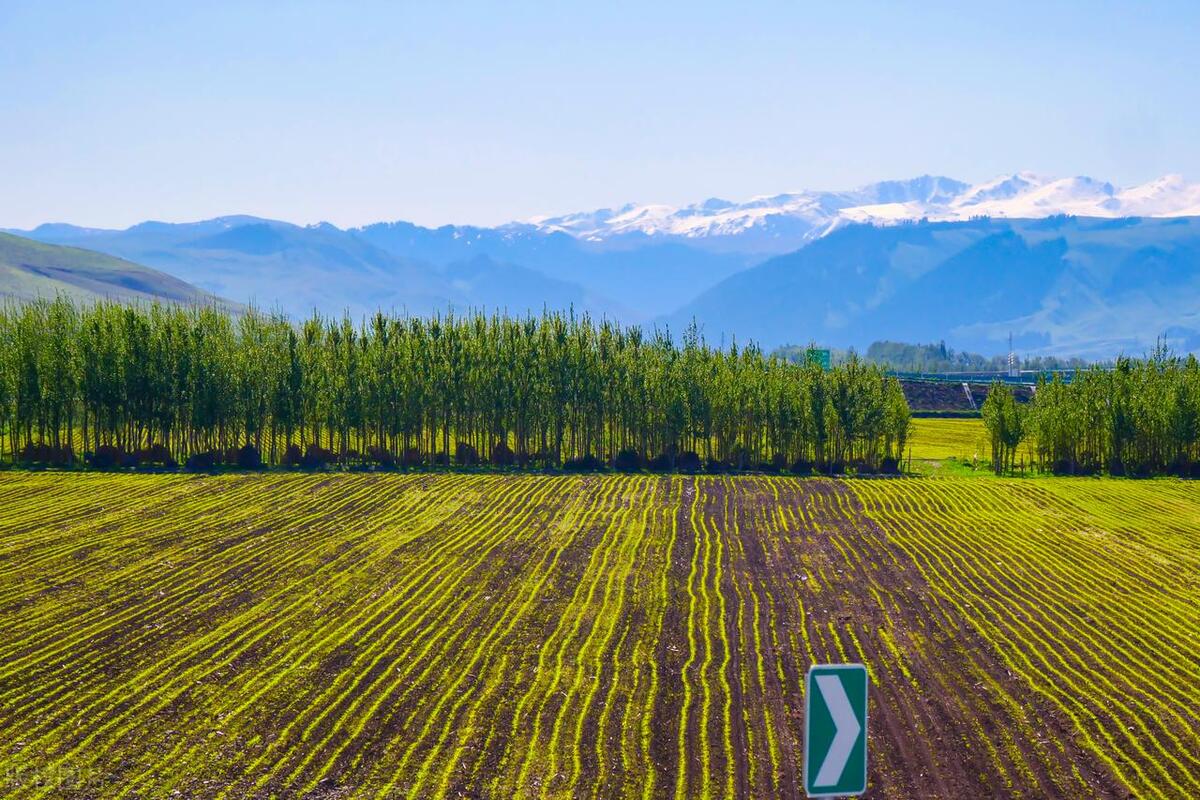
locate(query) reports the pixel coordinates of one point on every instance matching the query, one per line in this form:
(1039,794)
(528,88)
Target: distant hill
(272,264)
(31,270)
(301,268)
(1061,285)
(638,276)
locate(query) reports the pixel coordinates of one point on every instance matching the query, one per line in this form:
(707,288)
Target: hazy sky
(112,113)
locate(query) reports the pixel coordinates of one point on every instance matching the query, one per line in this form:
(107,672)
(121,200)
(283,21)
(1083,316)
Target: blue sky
(111,113)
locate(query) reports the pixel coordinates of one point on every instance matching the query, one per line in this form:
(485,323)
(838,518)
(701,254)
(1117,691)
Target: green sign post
(835,730)
(818,357)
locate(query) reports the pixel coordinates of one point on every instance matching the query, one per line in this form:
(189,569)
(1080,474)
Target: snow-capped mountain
(1021,254)
(785,221)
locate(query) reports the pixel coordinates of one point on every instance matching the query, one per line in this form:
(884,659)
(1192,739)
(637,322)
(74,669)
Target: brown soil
(949,395)
(805,577)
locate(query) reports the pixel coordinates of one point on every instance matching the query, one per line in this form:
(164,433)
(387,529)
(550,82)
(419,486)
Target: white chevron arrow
(847,727)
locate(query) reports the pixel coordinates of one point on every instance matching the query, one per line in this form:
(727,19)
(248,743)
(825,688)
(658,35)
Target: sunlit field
(357,635)
(963,438)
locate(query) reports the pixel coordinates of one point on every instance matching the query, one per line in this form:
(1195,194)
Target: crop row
(1092,607)
(628,636)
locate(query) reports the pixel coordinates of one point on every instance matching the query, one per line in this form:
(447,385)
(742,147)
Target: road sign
(818,357)
(835,730)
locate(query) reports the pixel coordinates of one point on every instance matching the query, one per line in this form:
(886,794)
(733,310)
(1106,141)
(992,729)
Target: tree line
(936,358)
(122,383)
(1140,417)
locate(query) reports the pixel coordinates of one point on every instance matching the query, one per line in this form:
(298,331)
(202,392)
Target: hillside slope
(302,268)
(31,270)
(638,277)
(1092,287)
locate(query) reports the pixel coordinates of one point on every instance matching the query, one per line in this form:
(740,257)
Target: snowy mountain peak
(784,221)
(1004,187)
(925,189)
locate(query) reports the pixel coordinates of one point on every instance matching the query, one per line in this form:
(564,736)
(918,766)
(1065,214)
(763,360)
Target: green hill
(31,270)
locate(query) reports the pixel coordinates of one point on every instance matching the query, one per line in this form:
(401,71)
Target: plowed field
(526,636)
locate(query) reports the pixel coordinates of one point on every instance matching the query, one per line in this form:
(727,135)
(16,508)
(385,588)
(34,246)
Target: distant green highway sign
(835,730)
(818,357)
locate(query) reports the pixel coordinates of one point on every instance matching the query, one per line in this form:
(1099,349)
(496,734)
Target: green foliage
(549,388)
(940,358)
(933,358)
(1005,421)
(1139,418)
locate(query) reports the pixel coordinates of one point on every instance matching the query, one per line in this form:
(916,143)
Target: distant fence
(1023,378)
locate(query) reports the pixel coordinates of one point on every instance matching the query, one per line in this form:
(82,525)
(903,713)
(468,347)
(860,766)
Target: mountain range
(1068,266)
(784,222)
(1059,285)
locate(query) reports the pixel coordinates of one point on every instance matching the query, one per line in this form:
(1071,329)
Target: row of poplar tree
(547,390)
(1140,417)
